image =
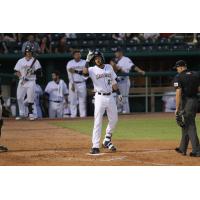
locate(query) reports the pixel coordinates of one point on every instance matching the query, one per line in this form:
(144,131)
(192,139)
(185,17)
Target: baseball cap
(180,63)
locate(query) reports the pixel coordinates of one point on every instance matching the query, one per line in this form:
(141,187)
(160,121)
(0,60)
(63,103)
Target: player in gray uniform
(27,68)
(125,65)
(2,148)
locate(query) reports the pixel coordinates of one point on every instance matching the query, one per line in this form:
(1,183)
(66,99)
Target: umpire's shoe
(109,145)
(196,154)
(3,149)
(181,152)
(94,151)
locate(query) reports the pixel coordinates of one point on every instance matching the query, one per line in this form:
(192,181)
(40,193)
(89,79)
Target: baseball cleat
(31,117)
(94,151)
(20,118)
(3,149)
(109,145)
(179,151)
(197,154)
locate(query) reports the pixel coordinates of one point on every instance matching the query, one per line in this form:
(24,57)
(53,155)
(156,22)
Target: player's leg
(98,115)
(112,121)
(21,93)
(120,104)
(30,100)
(52,109)
(1,120)
(126,88)
(82,94)
(190,126)
(73,101)
(60,109)
(2,148)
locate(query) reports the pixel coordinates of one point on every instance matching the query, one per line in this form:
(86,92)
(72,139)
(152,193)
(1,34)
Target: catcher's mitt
(180,119)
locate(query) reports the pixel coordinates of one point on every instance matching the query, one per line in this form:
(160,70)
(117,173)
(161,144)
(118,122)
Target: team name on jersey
(105,75)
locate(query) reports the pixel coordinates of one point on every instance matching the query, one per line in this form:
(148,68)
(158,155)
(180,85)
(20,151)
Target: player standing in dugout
(186,84)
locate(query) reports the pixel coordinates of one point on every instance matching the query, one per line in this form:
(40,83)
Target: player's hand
(73,87)
(90,56)
(120,98)
(143,73)
(71,70)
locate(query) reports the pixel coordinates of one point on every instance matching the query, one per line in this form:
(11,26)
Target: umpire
(186,84)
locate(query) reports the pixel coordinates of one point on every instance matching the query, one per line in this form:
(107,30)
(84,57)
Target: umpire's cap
(180,63)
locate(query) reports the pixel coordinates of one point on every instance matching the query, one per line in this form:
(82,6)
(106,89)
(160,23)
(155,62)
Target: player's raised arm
(88,59)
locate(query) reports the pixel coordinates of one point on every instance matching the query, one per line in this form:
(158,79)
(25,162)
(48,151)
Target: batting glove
(90,56)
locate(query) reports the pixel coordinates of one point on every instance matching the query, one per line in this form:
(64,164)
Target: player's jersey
(56,91)
(102,79)
(72,64)
(23,66)
(125,64)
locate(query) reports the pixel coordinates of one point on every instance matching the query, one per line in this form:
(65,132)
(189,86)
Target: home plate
(99,154)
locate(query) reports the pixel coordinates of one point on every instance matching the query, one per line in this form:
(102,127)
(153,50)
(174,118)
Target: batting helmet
(29,48)
(98,53)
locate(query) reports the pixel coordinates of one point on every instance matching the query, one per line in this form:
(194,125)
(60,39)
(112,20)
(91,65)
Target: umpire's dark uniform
(188,82)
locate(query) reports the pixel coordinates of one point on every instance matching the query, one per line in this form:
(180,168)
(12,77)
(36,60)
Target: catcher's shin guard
(1,124)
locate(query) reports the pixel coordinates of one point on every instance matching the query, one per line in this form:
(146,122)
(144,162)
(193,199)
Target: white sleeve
(48,89)
(65,89)
(70,76)
(17,66)
(129,64)
(37,65)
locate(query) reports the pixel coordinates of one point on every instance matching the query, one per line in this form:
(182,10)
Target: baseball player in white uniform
(77,84)
(27,68)
(124,64)
(104,81)
(2,148)
(57,93)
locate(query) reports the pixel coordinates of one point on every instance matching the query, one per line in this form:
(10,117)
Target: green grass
(141,129)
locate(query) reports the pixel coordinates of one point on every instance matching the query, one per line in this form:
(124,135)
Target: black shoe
(197,154)
(3,149)
(181,152)
(94,151)
(109,145)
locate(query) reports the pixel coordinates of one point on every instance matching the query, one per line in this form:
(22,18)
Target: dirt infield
(39,143)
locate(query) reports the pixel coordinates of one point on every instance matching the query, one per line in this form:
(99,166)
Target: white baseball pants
(78,97)
(124,87)
(103,103)
(23,90)
(56,109)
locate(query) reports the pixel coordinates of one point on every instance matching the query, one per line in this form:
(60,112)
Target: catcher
(186,84)
(2,148)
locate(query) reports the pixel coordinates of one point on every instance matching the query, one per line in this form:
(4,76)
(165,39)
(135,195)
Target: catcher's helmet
(29,48)
(98,53)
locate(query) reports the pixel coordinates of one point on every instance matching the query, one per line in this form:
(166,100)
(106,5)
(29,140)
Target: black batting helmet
(98,53)
(29,48)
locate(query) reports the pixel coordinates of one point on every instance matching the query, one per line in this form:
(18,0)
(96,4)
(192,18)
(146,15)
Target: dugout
(154,62)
